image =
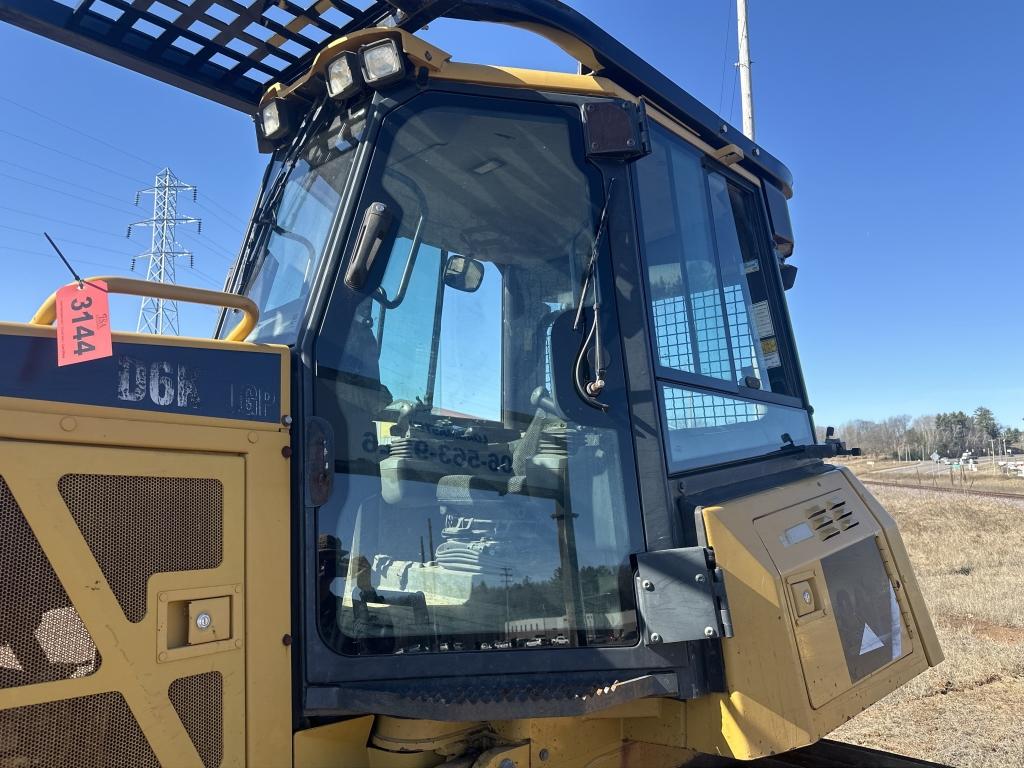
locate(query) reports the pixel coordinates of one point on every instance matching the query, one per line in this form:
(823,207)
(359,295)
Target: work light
(274,121)
(342,77)
(382,63)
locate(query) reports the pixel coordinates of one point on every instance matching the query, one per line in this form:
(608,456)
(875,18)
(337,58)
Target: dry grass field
(968,552)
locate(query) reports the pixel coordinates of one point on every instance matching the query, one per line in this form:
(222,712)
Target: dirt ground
(968,553)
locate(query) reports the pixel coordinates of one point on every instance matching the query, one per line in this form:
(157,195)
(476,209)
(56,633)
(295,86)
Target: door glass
(707,428)
(469,512)
(709,299)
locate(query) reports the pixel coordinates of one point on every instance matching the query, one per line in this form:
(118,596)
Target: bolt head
(506,763)
(648,585)
(286,420)
(700,578)
(709,632)
(203,621)
(806,597)
(544,755)
(655,638)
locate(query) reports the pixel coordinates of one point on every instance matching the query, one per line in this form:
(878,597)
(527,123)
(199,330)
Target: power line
(62,192)
(60,179)
(69,155)
(228,256)
(121,150)
(66,240)
(725,54)
(79,131)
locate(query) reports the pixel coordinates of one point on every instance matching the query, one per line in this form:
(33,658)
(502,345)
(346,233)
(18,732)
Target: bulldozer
(499,456)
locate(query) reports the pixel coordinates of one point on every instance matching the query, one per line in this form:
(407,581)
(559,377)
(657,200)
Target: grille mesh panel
(88,732)
(198,700)
(42,637)
(137,526)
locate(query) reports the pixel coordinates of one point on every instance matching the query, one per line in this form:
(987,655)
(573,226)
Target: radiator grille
(42,637)
(88,732)
(137,526)
(198,700)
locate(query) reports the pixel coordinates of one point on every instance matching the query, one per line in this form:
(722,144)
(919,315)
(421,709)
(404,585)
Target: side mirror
(463,273)
(788,275)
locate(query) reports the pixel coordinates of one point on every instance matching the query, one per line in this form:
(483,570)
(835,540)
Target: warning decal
(865,608)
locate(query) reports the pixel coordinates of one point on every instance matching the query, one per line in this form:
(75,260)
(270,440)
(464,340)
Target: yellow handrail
(47,313)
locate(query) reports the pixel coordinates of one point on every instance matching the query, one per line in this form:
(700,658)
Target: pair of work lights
(374,65)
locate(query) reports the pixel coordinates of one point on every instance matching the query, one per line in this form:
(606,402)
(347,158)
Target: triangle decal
(869,641)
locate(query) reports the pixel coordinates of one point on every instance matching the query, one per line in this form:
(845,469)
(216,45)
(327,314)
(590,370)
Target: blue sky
(896,118)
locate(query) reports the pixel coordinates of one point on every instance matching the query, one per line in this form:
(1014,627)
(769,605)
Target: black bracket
(616,129)
(677,596)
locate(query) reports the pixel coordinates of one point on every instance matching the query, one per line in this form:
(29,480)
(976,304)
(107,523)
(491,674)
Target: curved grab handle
(47,313)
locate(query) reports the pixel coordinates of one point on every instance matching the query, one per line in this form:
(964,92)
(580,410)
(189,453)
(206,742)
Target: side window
(727,391)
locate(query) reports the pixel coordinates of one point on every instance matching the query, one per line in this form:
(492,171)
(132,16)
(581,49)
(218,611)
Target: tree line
(947,434)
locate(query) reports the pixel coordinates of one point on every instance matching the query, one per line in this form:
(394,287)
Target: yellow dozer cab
(499,457)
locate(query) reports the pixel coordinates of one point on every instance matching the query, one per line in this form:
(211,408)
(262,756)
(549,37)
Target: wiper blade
(264,218)
(590,390)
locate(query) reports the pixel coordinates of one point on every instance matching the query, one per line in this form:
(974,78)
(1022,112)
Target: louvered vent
(42,637)
(137,526)
(88,732)
(831,518)
(198,700)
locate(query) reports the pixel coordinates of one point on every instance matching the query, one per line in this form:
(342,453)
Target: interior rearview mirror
(463,273)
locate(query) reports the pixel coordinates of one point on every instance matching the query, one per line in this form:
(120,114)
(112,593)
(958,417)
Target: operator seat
(467,489)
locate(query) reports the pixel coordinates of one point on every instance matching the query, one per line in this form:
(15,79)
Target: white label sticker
(897,629)
(762,319)
(770,352)
(796,534)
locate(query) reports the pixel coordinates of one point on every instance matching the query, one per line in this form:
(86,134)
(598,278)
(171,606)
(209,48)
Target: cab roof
(231,51)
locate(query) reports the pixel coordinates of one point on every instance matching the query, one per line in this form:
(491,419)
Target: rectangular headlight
(274,120)
(342,77)
(382,62)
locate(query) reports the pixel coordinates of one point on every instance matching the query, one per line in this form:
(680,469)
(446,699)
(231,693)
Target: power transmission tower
(159,315)
(746,88)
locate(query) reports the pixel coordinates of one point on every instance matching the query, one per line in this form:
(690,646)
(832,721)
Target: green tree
(985,423)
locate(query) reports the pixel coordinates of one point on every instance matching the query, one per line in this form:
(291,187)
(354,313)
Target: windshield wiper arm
(264,219)
(590,390)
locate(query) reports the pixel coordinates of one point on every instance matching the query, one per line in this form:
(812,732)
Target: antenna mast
(746,90)
(160,316)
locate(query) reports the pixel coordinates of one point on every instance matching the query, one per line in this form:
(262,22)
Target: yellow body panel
(770,706)
(41,441)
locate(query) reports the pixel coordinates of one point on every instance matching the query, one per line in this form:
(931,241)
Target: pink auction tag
(83,323)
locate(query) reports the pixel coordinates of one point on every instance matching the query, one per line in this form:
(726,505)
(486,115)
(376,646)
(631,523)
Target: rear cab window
(728,381)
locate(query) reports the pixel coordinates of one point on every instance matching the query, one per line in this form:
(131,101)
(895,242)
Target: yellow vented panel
(137,526)
(87,732)
(116,533)
(42,637)
(198,700)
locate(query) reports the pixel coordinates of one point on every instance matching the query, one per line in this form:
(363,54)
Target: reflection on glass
(471,513)
(705,428)
(301,223)
(708,293)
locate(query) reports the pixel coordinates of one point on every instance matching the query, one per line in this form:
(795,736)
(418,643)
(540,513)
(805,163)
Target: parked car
(534,642)
(559,640)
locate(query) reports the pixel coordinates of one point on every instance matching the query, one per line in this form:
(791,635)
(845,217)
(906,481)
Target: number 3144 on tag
(83,323)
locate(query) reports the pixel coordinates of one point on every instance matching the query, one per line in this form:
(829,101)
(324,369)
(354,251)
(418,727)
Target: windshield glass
(297,229)
(470,512)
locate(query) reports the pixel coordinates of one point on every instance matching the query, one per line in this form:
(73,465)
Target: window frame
(769,264)
(334,684)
